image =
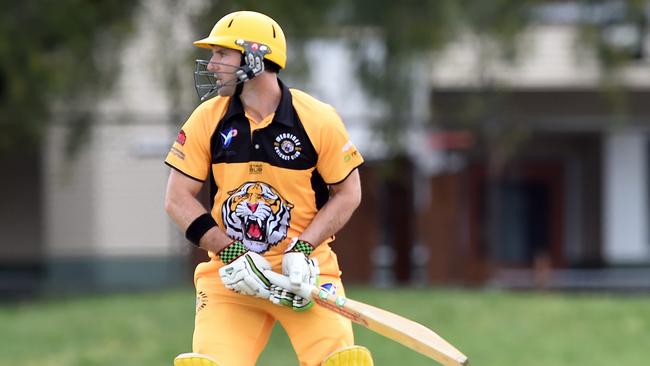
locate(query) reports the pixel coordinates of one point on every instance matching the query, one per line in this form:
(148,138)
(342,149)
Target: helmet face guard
(206,82)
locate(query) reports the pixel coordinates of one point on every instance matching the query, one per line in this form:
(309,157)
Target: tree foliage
(49,49)
(47,53)
(408,31)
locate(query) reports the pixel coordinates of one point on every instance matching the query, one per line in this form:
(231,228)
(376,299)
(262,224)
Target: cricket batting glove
(282,296)
(297,265)
(244,272)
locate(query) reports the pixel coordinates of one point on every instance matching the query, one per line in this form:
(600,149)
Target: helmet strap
(239,88)
(242,76)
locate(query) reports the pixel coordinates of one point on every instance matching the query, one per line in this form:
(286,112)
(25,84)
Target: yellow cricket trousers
(234,328)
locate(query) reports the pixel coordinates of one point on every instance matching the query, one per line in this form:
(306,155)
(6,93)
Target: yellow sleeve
(337,155)
(190,153)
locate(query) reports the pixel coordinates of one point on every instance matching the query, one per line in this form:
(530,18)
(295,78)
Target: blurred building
(93,219)
(528,172)
(554,191)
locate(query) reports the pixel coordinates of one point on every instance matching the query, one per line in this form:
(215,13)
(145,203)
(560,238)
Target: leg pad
(349,356)
(194,359)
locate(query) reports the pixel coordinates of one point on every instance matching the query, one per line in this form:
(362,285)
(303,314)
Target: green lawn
(492,328)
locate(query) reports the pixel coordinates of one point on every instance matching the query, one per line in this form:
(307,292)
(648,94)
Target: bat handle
(306,290)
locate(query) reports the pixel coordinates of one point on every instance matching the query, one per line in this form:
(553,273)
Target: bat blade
(397,328)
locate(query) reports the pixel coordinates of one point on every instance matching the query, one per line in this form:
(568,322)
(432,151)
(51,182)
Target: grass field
(492,328)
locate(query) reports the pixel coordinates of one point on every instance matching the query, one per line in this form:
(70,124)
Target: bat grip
(306,290)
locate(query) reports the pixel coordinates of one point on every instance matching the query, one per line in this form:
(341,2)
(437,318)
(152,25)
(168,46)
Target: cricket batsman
(284,179)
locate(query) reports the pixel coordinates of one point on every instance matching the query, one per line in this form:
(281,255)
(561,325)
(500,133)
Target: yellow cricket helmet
(251,27)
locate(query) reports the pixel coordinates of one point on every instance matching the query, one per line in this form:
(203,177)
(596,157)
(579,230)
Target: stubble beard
(227,88)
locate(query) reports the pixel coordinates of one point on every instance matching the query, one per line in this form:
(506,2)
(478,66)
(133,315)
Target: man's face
(224,63)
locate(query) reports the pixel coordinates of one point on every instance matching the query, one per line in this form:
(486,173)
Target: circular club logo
(287,146)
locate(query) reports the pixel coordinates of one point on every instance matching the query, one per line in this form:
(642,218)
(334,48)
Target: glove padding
(245,275)
(297,265)
(282,296)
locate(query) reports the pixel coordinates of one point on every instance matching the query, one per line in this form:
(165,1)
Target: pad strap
(349,356)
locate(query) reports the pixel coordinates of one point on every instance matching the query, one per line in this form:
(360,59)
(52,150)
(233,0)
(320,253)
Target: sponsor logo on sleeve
(348,145)
(180,154)
(181,138)
(349,150)
(347,157)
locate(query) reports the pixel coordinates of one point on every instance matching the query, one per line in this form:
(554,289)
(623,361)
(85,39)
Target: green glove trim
(233,251)
(303,308)
(257,271)
(304,247)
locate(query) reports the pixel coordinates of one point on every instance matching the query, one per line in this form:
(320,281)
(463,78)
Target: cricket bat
(401,330)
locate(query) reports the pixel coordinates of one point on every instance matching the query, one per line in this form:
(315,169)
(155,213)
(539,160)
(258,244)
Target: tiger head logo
(257,215)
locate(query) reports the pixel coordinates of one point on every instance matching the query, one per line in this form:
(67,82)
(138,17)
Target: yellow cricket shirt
(268,179)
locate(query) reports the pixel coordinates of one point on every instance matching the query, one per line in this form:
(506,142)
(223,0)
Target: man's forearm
(184,211)
(331,218)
